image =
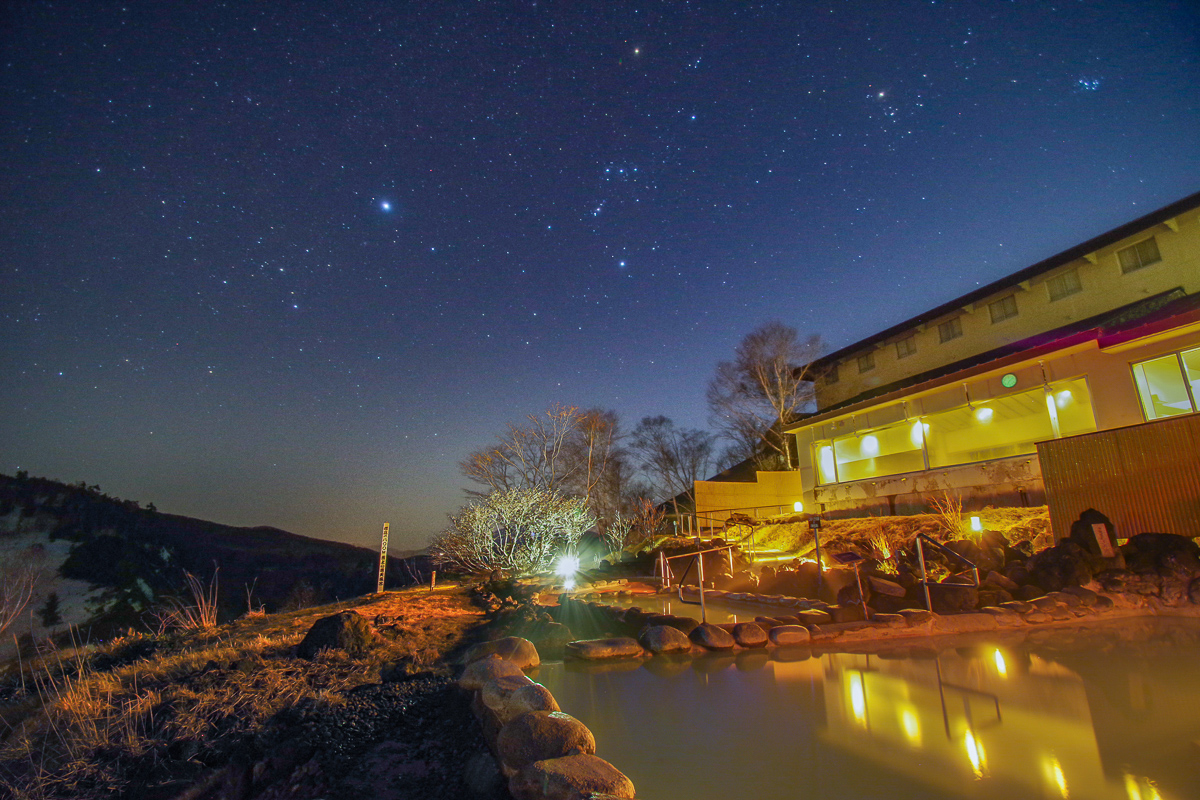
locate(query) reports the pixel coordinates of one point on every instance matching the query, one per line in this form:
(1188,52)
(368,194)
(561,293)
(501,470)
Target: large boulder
(539,735)
(953,598)
(711,637)
(595,649)
(684,624)
(1084,533)
(1164,553)
(509,698)
(487,669)
(664,639)
(748,634)
(784,635)
(1055,568)
(577,777)
(511,648)
(348,630)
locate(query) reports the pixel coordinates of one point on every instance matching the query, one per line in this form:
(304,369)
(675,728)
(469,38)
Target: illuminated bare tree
(18,584)
(768,382)
(566,449)
(517,531)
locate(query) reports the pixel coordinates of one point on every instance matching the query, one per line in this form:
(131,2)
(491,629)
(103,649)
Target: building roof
(1065,257)
(1143,317)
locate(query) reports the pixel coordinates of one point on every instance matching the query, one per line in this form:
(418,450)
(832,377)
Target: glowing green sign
(1008,381)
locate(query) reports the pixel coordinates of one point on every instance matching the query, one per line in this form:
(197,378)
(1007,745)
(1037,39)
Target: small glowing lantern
(798,506)
(976,524)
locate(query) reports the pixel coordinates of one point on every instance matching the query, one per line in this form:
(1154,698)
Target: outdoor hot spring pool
(1112,711)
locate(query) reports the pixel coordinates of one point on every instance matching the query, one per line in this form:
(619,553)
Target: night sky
(286,264)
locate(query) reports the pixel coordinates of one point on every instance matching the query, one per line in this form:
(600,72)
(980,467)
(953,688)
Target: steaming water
(1111,712)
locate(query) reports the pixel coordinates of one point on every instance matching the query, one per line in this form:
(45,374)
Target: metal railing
(922,540)
(712,520)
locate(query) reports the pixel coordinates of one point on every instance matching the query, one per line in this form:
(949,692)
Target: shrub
(518,531)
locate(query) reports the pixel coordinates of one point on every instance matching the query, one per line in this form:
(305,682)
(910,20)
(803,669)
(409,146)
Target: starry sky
(287,263)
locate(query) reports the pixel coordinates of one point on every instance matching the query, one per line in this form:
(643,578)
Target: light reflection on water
(1112,713)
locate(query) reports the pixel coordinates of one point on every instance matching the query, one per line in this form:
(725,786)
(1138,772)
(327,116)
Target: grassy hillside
(136,558)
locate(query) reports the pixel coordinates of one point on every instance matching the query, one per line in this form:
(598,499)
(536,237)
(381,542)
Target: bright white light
(983,414)
(918,433)
(976,524)
(797,506)
(1064,398)
(858,698)
(974,753)
(870,446)
(567,566)
(912,727)
(385,205)
(1001,667)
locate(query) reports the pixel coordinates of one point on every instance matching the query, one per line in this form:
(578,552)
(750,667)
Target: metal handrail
(941,548)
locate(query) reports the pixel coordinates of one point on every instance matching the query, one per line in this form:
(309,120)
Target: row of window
(1064,284)
(998,428)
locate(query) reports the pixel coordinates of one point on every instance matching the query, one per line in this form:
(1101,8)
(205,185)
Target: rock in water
(711,637)
(511,648)
(539,735)
(347,631)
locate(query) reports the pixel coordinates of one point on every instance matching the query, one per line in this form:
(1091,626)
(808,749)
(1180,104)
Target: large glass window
(1139,255)
(999,427)
(1168,385)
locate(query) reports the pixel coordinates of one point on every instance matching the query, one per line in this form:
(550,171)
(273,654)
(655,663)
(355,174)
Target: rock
(574,777)
(539,735)
(1068,599)
(711,637)
(885,587)
(683,624)
(890,620)
(533,697)
(851,612)
(1103,603)
(814,616)
(1045,603)
(916,616)
(999,581)
(664,639)
(1019,606)
(1059,566)
(1029,591)
(347,631)
(511,648)
(1060,613)
(748,634)
(1086,596)
(766,623)
(953,598)
(1163,553)
(783,635)
(1005,617)
(1037,617)
(551,636)
(487,669)
(495,694)
(593,649)
(965,623)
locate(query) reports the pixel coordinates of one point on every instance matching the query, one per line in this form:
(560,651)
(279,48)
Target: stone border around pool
(543,753)
(806,622)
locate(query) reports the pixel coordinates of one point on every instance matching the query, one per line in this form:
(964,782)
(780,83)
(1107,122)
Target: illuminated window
(1001,427)
(950,329)
(1063,285)
(1004,308)
(831,375)
(906,347)
(1139,255)
(1168,385)
(866,362)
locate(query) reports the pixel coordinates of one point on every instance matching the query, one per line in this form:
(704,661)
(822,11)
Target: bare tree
(673,458)
(768,382)
(566,449)
(517,531)
(18,585)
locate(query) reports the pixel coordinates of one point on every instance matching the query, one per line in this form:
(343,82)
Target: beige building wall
(1103,288)
(773,493)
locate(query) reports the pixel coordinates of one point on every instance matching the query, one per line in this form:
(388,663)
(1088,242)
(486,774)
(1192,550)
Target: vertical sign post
(382,559)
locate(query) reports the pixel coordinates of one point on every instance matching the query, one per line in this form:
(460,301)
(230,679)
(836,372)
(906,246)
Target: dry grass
(870,536)
(96,720)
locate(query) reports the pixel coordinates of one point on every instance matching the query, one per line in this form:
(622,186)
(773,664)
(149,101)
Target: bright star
(385,205)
